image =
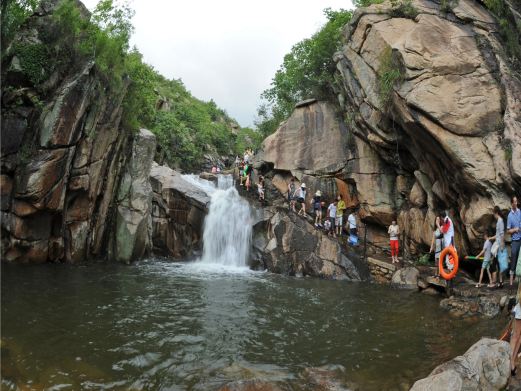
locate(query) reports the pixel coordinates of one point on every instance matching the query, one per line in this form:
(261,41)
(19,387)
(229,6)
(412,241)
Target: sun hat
(318,193)
(303,185)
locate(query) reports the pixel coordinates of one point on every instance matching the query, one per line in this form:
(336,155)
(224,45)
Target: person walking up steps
(394,231)
(340,208)
(514,229)
(301,199)
(317,208)
(331,214)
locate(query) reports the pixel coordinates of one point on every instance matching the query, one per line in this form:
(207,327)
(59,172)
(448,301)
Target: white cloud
(225,50)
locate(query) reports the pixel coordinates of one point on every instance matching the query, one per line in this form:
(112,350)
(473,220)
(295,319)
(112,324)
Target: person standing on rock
(351,221)
(514,229)
(317,208)
(447,229)
(437,244)
(331,214)
(301,199)
(291,194)
(393,231)
(340,208)
(499,237)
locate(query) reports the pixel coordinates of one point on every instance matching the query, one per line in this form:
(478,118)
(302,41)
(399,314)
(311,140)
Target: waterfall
(228,225)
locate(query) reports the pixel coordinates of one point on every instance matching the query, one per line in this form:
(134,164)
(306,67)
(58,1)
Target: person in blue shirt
(514,229)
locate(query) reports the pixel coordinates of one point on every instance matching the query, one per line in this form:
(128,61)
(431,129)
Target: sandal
(478,285)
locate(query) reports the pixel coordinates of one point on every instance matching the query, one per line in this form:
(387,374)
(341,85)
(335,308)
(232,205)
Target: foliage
(403,9)
(14,13)
(247,138)
(424,260)
(389,74)
(366,3)
(509,29)
(186,128)
(306,72)
(33,61)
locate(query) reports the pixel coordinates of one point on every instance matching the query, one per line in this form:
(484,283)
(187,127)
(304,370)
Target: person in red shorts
(394,231)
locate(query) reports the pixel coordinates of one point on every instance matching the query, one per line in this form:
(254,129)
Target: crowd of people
(246,174)
(333,223)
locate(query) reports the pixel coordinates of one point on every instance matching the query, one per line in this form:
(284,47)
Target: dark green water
(164,326)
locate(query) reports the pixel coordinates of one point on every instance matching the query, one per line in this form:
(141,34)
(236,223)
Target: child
(327,227)
(487,250)
(331,214)
(317,208)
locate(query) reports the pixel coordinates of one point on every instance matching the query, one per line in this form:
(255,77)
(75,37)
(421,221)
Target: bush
(389,75)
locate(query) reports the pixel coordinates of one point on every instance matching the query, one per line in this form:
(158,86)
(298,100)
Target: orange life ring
(453,260)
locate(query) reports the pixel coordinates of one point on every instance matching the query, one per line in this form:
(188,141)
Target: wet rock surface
(485,366)
(288,244)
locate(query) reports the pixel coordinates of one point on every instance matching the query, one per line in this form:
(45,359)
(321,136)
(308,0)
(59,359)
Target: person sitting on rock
(331,214)
(340,208)
(487,251)
(317,208)
(300,194)
(327,226)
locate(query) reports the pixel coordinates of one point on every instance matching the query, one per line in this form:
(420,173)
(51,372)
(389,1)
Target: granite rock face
(287,244)
(178,212)
(446,136)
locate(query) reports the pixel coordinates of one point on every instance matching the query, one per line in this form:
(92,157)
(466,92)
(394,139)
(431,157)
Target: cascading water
(227,227)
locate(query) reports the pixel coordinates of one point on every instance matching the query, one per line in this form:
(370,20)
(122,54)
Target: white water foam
(227,227)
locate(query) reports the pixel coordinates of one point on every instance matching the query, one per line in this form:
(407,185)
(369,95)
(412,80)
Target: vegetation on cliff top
(306,72)
(186,127)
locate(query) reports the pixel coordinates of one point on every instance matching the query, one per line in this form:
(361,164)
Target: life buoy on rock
(453,260)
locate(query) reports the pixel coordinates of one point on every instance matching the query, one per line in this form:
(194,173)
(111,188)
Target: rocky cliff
(64,155)
(430,119)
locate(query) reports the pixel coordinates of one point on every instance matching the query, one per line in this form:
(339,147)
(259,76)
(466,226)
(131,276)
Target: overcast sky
(226,50)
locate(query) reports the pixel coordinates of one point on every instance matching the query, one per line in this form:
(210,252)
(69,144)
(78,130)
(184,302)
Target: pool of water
(169,326)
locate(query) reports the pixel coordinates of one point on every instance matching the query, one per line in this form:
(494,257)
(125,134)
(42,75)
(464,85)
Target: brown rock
(6,186)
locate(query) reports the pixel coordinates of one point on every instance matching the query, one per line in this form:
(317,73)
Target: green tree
(306,72)
(14,13)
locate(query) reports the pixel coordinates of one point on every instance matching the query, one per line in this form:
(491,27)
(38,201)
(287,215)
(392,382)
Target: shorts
(486,263)
(317,207)
(338,221)
(300,199)
(516,244)
(353,231)
(332,220)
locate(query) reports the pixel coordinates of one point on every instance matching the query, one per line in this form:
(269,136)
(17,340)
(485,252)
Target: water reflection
(160,325)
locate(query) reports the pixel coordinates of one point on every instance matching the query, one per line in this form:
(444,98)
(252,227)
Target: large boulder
(485,366)
(287,244)
(406,278)
(133,236)
(178,212)
(311,140)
